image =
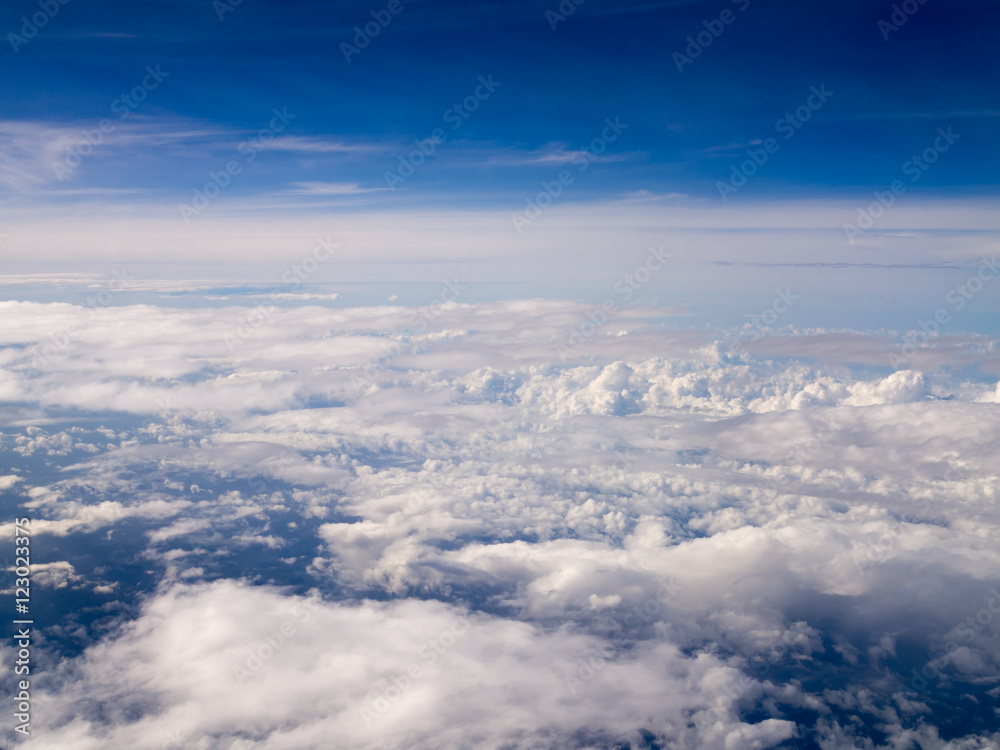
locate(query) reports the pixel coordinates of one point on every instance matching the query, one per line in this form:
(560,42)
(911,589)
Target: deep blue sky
(685,130)
(655,184)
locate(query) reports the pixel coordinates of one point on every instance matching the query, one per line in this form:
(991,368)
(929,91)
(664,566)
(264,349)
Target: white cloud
(712,525)
(8,481)
(56,575)
(329,188)
(197,667)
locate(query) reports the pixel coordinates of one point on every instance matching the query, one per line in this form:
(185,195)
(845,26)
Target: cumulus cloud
(8,481)
(660,537)
(57,575)
(225,664)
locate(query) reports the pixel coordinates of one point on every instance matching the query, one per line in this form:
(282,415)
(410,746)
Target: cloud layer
(451,526)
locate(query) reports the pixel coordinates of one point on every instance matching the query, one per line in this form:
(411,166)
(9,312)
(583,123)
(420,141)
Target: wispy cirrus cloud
(553,154)
(319,145)
(29,148)
(59,158)
(35,150)
(329,188)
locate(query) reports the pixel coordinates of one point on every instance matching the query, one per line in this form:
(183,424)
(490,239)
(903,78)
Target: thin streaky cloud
(555,154)
(329,188)
(322,145)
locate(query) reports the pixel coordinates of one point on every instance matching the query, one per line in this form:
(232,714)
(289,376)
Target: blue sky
(643,351)
(832,103)
(685,128)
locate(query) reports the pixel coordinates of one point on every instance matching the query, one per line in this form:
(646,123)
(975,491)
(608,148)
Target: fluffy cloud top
(437,528)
